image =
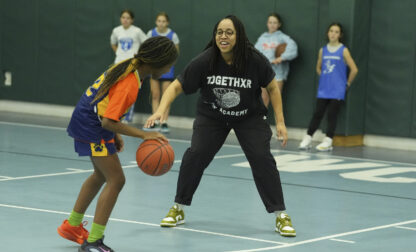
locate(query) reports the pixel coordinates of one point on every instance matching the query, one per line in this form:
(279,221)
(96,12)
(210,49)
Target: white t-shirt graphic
(127,40)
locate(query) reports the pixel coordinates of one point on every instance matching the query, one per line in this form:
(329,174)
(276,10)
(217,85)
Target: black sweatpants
(333,107)
(254,136)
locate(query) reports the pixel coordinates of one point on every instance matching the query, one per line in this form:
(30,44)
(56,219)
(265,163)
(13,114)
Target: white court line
(408,228)
(327,237)
(76,171)
(339,240)
(146,224)
(72,171)
(45,175)
(235,146)
(32,125)
(5,177)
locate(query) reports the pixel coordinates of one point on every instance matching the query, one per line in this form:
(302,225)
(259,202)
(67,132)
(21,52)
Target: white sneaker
(306,142)
(326,145)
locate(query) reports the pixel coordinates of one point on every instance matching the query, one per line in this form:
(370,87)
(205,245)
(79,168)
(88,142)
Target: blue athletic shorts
(102,149)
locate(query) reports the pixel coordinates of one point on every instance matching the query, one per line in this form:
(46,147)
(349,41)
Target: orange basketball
(155,158)
(280,49)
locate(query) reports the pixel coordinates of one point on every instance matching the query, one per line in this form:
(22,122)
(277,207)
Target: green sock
(97,232)
(75,218)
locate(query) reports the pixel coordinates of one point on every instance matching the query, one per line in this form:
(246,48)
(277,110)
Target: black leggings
(208,136)
(333,109)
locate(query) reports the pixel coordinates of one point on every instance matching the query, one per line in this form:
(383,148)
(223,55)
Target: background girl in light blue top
(267,44)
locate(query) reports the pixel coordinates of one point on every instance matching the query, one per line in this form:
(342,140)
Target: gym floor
(350,199)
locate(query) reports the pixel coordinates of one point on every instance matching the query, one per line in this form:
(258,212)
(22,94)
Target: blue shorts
(102,149)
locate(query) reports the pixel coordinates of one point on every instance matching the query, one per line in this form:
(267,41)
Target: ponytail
(156,52)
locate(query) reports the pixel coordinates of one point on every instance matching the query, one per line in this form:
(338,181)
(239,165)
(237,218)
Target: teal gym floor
(351,199)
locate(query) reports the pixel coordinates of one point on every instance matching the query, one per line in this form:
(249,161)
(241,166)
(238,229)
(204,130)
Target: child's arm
(113,41)
(291,51)
(114,48)
(351,64)
(319,62)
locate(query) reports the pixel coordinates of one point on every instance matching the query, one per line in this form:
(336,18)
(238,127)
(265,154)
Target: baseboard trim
(348,141)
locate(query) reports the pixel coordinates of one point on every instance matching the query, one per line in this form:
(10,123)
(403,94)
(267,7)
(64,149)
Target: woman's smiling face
(226,36)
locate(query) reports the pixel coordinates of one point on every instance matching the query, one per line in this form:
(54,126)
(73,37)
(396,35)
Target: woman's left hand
(282,133)
(153,119)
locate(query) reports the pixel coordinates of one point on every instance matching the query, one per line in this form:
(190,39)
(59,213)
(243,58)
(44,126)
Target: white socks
(278,213)
(180,206)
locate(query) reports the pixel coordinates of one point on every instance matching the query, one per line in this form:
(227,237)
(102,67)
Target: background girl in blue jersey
(267,43)
(333,60)
(162,29)
(96,128)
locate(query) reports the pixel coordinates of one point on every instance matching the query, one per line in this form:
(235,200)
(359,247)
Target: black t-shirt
(223,94)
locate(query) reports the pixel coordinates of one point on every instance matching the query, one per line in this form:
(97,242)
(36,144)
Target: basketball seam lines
(149,153)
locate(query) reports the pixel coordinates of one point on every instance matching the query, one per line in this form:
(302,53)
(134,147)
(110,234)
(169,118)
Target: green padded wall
(391,70)
(19,42)
(56,49)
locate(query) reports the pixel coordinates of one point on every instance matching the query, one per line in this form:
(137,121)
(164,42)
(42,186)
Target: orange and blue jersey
(85,125)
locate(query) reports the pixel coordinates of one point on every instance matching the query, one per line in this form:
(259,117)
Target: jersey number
(95,86)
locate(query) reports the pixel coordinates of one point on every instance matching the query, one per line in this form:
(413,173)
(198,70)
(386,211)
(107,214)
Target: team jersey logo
(329,68)
(126,43)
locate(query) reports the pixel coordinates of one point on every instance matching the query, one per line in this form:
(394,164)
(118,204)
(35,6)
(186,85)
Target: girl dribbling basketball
(96,128)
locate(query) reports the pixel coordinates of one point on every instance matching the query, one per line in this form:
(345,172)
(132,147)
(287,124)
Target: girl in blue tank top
(158,87)
(333,60)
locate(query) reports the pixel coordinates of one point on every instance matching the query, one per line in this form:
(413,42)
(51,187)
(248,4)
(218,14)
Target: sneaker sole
(305,148)
(172,224)
(323,150)
(67,235)
(285,234)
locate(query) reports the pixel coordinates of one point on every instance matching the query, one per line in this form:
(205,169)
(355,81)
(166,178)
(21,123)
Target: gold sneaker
(284,225)
(174,217)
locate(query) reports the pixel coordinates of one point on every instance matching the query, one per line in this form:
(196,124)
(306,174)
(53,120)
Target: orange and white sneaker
(73,233)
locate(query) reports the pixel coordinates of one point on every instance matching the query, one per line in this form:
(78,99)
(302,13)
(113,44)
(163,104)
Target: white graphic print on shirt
(126,43)
(329,68)
(227,97)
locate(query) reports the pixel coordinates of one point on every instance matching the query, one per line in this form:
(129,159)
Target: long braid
(156,52)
